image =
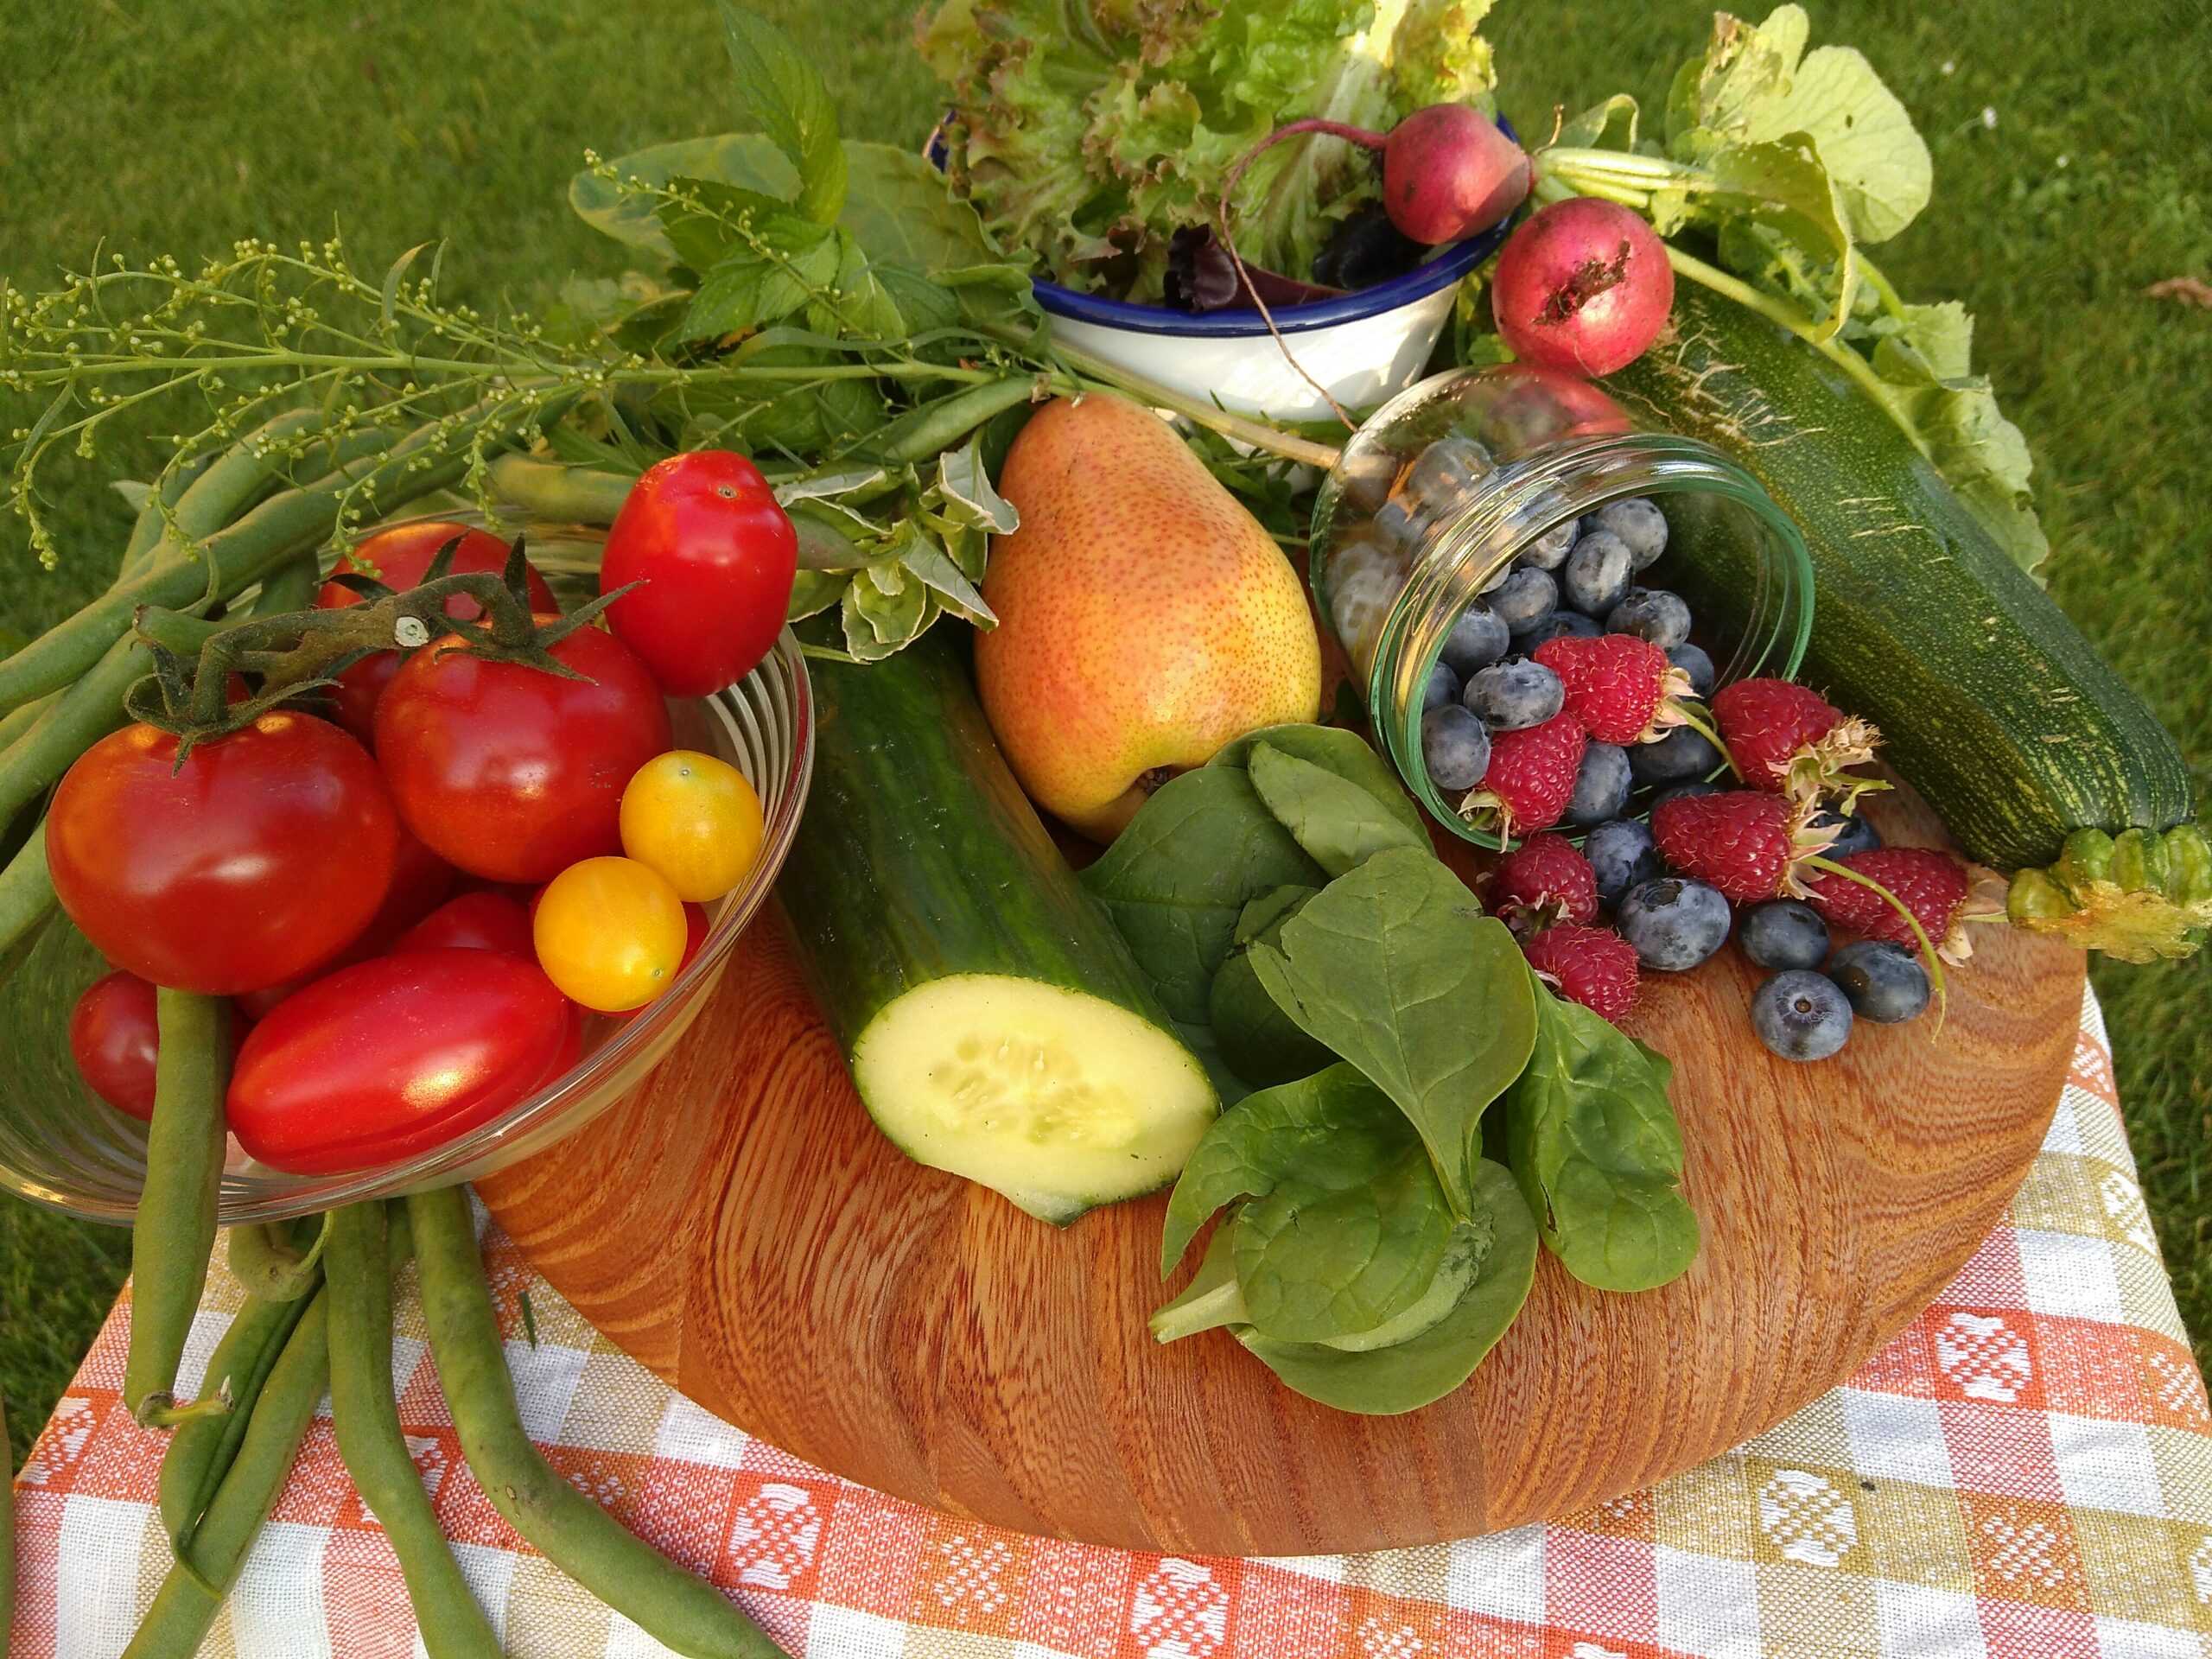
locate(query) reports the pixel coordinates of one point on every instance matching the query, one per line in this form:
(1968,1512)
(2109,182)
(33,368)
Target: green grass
(175,128)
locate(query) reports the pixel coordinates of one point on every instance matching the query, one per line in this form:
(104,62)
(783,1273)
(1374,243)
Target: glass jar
(1443,488)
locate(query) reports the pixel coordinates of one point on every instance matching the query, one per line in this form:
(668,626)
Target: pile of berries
(1585,719)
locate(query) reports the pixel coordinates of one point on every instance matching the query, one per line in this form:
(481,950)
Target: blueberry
(1597,573)
(1443,687)
(1682,755)
(1549,550)
(1692,661)
(1856,835)
(1601,786)
(1784,933)
(1673,923)
(1439,482)
(1638,524)
(1477,639)
(1681,792)
(1455,747)
(1558,623)
(1651,613)
(1801,1016)
(1524,599)
(1512,695)
(1622,854)
(1885,982)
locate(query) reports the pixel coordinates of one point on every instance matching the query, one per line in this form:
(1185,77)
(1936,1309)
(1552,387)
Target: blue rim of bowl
(1440,272)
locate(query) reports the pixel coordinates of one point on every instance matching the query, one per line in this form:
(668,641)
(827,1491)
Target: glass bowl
(61,1146)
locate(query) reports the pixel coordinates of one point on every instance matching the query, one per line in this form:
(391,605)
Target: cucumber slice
(1053,1097)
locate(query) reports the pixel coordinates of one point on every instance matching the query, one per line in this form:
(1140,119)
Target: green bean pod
(264,1259)
(26,890)
(293,588)
(192,1593)
(16,722)
(146,529)
(87,712)
(567,495)
(370,1440)
(174,1231)
(200,1451)
(934,426)
(683,1613)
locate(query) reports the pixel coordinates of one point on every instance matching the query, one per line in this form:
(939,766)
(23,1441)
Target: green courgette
(995,1021)
(1990,701)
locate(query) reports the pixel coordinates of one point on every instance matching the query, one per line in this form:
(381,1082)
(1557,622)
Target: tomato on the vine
(400,557)
(397,1056)
(262,855)
(716,555)
(113,1038)
(512,773)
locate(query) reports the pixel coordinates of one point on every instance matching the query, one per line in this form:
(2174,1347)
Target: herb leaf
(1345,754)
(1596,1148)
(1176,878)
(785,92)
(1396,967)
(1338,823)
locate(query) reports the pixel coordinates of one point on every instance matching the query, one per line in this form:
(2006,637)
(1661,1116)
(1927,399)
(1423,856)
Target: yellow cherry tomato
(610,933)
(696,820)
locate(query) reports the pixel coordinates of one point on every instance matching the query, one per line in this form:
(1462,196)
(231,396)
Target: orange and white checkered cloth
(2025,1473)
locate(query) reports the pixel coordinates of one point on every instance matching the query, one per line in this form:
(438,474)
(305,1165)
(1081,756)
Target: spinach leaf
(1212,1298)
(1344,1226)
(1383,1382)
(1346,754)
(785,92)
(1396,967)
(1176,878)
(1340,825)
(1594,1144)
(1257,1039)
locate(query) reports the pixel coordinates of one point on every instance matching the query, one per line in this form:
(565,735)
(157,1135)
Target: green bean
(232,559)
(26,890)
(568,495)
(192,1593)
(174,1231)
(291,588)
(921,433)
(683,1613)
(16,722)
(201,1450)
(87,712)
(146,529)
(266,1261)
(366,1421)
(7,1535)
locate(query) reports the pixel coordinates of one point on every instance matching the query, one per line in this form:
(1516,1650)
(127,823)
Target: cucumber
(994,1020)
(1990,701)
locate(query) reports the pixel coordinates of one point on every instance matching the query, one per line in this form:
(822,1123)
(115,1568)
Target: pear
(1144,618)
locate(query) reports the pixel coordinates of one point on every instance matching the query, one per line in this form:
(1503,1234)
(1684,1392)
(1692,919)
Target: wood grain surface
(739,1225)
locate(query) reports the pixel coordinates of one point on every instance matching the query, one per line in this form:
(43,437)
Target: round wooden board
(739,1227)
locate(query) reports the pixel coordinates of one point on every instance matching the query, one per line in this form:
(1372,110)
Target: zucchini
(994,1022)
(1991,702)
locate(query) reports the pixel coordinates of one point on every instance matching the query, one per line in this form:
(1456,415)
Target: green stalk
(370,1440)
(263,1259)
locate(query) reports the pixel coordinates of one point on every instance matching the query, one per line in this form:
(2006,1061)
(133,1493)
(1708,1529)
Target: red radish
(1447,170)
(1583,286)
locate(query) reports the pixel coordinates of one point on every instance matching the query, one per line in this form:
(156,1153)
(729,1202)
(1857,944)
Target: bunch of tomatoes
(414,903)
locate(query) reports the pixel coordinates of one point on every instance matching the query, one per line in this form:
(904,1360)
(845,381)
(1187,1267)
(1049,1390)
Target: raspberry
(1934,885)
(1543,880)
(1593,966)
(1531,778)
(1621,688)
(1747,844)
(1792,741)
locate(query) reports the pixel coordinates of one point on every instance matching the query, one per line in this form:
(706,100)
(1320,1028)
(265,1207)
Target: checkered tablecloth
(2027,1471)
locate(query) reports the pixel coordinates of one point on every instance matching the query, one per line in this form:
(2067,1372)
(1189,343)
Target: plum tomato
(420,880)
(399,556)
(694,819)
(610,933)
(716,554)
(396,1057)
(259,857)
(509,772)
(113,1038)
(482,920)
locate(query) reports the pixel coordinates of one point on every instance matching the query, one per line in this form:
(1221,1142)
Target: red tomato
(696,924)
(395,1056)
(475,921)
(419,880)
(114,1037)
(400,555)
(261,856)
(717,556)
(509,772)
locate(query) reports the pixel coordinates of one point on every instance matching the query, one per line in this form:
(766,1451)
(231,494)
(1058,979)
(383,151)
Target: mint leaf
(1396,967)
(785,92)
